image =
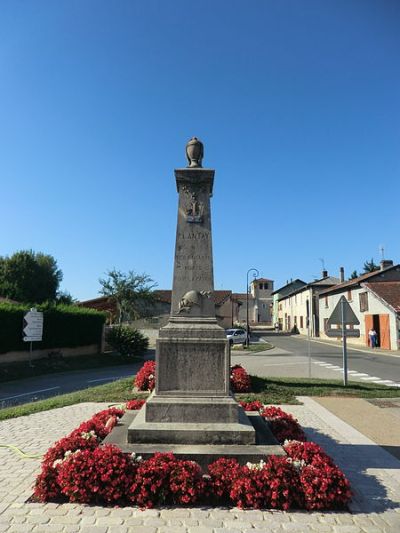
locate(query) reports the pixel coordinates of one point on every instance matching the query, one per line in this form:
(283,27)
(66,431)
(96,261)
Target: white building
(300,307)
(375,300)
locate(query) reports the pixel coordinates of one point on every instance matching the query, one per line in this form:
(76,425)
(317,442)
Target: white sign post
(342,316)
(32,329)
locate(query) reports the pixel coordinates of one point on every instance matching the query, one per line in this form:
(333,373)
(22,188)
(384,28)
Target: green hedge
(65,326)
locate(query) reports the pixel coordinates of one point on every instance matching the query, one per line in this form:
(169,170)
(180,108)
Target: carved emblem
(194,208)
(191,299)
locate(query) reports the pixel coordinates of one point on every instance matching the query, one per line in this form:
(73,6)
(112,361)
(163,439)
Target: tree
(132,293)
(354,274)
(370,266)
(65,298)
(29,277)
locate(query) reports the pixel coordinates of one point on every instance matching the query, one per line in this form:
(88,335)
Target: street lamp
(256,273)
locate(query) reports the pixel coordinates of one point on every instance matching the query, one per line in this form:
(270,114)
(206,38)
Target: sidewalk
(372,471)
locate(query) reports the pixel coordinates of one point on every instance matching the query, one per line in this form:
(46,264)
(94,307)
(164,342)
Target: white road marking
(384,382)
(356,374)
(27,394)
(283,364)
(370,378)
(105,379)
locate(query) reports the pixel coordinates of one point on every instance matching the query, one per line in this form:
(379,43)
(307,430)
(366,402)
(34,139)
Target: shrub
(186,482)
(283,425)
(146,377)
(65,326)
(308,453)
(127,341)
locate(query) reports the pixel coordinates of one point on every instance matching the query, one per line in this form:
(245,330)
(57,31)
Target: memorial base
(203,453)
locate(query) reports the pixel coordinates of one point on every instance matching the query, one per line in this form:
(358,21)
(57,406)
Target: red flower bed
(283,425)
(252,406)
(240,380)
(135,405)
(145,379)
(78,469)
(272,484)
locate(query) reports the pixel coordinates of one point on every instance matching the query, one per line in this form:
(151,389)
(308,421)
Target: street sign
(33,326)
(337,332)
(349,318)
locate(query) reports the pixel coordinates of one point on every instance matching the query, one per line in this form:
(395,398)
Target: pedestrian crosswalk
(361,375)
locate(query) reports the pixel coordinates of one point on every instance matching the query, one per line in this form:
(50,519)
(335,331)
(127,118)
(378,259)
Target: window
(301,322)
(265,286)
(295,320)
(349,297)
(326,301)
(363,301)
(261,286)
(325,324)
(264,306)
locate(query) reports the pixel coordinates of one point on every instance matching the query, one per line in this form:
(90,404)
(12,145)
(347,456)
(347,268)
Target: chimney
(341,275)
(324,273)
(386,263)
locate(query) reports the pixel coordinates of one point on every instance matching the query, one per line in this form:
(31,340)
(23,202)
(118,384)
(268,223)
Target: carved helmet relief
(191,299)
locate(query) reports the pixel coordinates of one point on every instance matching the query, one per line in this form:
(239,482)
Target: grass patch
(277,390)
(258,347)
(58,363)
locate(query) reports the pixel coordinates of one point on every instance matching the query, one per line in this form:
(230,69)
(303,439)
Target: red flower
(135,405)
(240,380)
(146,377)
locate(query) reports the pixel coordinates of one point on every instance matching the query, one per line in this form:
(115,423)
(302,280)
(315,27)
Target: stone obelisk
(192,403)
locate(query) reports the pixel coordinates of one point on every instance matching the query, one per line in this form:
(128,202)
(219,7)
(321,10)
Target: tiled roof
(288,285)
(389,291)
(104,302)
(328,280)
(241,296)
(255,280)
(356,281)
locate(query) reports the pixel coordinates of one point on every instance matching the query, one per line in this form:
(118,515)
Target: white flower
(88,434)
(256,466)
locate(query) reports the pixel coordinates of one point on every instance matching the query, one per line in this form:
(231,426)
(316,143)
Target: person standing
(373,337)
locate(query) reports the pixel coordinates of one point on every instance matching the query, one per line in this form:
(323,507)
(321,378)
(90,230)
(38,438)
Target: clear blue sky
(297,103)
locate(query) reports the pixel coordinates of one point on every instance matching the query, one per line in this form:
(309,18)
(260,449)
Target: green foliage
(65,326)
(29,277)
(132,293)
(127,341)
(354,275)
(370,266)
(64,297)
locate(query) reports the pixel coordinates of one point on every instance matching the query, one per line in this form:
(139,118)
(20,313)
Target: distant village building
(226,309)
(375,299)
(280,293)
(259,301)
(299,308)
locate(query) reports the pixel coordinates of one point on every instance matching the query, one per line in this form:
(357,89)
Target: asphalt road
(290,358)
(40,387)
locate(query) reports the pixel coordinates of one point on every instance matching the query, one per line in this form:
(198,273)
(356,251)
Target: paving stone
(154,521)
(175,513)
(347,529)
(236,524)
(117,529)
(199,529)
(94,529)
(109,521)
(66,519)
(371,529)
(37,519)
(142,529)
(187,522)
(133,521)
(49,528)
(21,528)
(227,530)
(172,529)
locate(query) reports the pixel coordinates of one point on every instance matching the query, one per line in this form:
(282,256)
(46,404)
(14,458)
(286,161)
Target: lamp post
(256,273)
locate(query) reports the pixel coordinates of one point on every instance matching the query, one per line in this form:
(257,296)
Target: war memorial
(192,411)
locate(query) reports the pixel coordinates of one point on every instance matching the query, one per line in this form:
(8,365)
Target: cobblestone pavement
(374,474)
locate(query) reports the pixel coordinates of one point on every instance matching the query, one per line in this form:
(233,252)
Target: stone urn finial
(194,152)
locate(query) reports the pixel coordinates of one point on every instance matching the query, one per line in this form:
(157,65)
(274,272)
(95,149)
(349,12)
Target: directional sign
(349,317)
(33,326)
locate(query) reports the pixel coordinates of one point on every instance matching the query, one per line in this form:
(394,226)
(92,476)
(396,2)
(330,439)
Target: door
(384,326)
(369,324)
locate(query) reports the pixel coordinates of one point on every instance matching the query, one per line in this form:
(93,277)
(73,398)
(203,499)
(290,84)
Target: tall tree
(354,274)
(132,293)
(370,266)
(29,277)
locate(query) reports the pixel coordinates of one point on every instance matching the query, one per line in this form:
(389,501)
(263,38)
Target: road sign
(346,315)
(33,326)
(337,332)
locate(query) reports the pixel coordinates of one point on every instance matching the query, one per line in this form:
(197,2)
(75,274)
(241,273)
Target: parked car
(236,336)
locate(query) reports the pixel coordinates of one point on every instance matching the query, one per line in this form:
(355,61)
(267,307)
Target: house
(226,308)
(299,308)
(375,299)
(279,293)
(259,302)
